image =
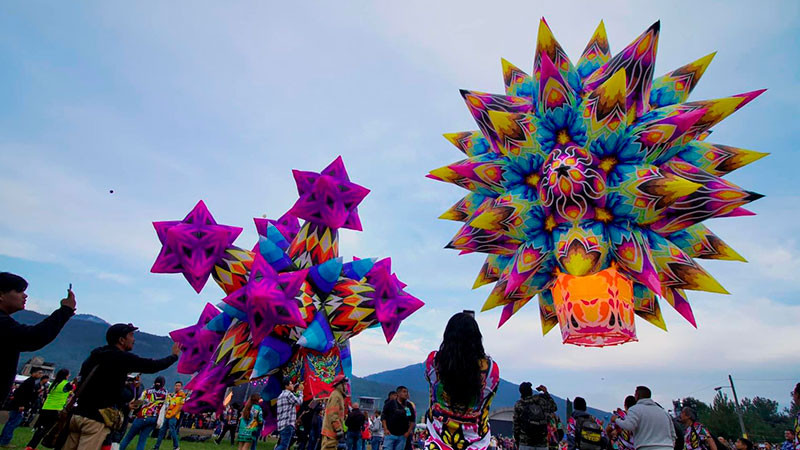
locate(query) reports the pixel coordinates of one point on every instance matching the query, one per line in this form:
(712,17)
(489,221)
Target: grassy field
(23,435)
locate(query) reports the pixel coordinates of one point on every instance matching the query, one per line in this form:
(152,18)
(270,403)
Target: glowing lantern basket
(595,310)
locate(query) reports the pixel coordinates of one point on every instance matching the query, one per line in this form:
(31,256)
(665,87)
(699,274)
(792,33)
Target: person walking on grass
(230,418)
(172,417)
(250,422)
(23,398)
(57,396)
(147,415)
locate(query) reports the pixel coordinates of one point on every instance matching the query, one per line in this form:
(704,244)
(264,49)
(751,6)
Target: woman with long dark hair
(57,397)
(250,422)
(463,380)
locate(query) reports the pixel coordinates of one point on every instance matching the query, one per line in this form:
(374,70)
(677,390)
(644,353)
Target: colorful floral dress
(624,439)
(460,429)
(248,429)
(694,438)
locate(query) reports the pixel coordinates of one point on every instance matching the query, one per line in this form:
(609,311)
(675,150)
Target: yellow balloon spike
(606,105)
(676,86)
(595,54)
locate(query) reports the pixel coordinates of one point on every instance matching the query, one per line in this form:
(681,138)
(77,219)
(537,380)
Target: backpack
(588,434)
(534,421)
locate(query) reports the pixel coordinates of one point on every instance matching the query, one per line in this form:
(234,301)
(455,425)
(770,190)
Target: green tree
(722,419)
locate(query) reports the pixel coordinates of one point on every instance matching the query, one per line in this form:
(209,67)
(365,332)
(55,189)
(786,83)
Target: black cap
(118,330)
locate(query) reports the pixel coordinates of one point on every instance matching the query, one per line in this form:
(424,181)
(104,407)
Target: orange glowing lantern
(595,310)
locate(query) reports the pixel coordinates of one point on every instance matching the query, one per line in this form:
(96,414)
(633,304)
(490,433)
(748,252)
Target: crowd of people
(114,410)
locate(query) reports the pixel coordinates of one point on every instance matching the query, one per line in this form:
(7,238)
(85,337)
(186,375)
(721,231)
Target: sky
(167,103)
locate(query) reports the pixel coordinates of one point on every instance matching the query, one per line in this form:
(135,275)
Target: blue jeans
(392,442)
(172,426)
(14,419)
(142,428)
(286,434)
(353,440)
(375,442)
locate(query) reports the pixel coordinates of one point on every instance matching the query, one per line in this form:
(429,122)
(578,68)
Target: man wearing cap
(17,337)
(332,430)
(104,374)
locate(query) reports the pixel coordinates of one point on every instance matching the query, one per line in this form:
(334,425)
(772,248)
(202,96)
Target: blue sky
(169,103)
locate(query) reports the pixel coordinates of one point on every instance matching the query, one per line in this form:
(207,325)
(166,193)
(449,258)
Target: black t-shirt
(399,416)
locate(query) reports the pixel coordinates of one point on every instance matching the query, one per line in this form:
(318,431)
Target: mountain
(413,377)
(91,318)
(85,332)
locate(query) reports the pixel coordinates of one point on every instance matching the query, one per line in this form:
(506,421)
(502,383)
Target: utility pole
(738,408)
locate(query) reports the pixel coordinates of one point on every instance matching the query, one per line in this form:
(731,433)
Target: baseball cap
(118,330)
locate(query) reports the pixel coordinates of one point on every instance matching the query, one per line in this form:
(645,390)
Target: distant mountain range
(85,332)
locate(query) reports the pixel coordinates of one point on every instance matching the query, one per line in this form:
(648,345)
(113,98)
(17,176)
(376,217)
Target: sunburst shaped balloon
(595,168)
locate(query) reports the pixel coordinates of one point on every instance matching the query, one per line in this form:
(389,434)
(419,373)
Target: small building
(501,422)
(370,404)
(37,362)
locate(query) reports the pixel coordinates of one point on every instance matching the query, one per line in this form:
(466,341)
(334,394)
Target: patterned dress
(249,428)
(624,439)
(695,436)
(458,429)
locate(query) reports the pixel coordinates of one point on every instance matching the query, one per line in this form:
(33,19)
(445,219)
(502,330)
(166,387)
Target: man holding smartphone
(17,337)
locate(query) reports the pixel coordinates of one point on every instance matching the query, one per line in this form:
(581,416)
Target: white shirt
(651,426)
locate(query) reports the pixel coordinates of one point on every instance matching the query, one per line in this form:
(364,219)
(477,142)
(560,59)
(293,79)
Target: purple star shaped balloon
(328,197)
(207,390)
(268,299)
(287,224)
(392,304)
(197,342)
(193,246)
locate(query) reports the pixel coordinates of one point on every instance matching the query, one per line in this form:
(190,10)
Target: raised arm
(28,338)
(134,363)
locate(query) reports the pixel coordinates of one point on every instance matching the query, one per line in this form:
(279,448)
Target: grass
(23,435)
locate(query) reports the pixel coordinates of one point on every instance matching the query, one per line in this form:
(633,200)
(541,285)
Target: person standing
(531,417)
(355,425)
(332,426)
(104,374)
(399,418)
(796,428)
(376,428)
(57,397)
(651,426)
(17,337)
(289,399)
(584,431)
(250,422)
(696,436)
(147,415)
(172,417)
(230,418)
(315,434)
(463,380)
(788,444)
(24,396)
(621,439)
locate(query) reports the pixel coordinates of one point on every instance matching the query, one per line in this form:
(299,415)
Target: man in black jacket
(104,373)
(17,337)
(23,398)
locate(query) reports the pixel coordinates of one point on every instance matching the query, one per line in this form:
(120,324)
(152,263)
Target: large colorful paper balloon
(581,168)
(291,304)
